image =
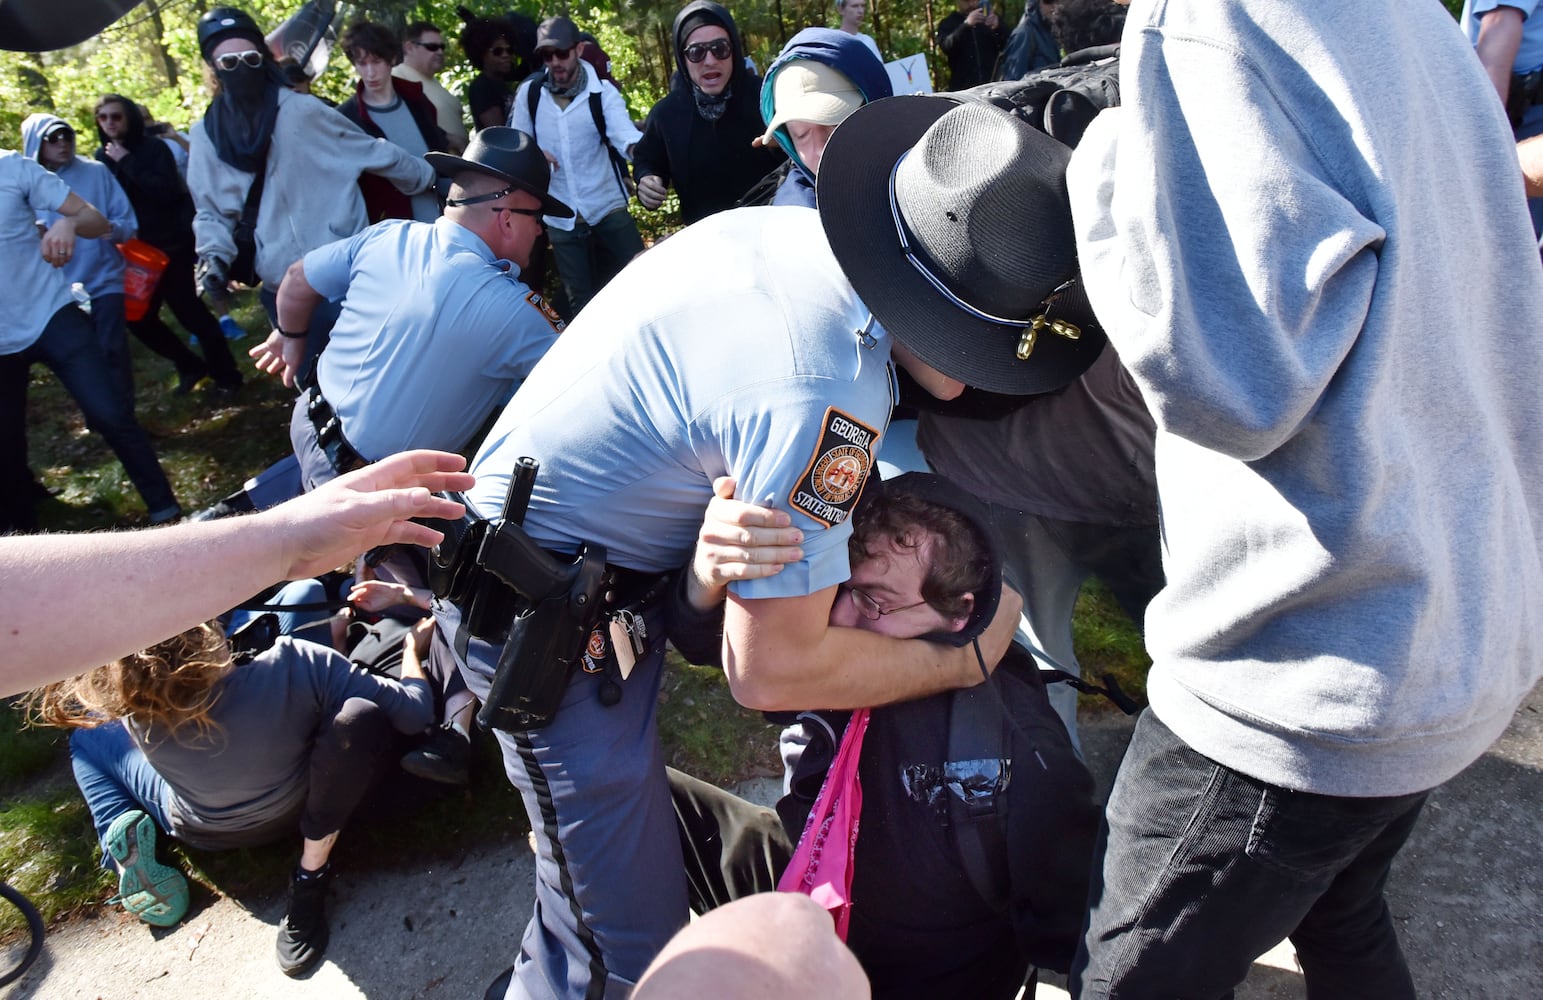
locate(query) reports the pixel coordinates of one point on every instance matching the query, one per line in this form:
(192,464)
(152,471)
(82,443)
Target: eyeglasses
(501,50)
(718,47)
(109,116)
(251,59)
(869,608)
(534,213)
(547,55)
(431,46)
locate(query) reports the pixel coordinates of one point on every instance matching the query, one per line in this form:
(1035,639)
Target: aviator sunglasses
(719,47)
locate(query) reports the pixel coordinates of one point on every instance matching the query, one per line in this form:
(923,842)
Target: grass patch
(706,733)
(1108,642)
(48,851)
(25,754)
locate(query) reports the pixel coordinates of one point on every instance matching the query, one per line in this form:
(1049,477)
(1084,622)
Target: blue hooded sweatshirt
(840,51)
(96,264)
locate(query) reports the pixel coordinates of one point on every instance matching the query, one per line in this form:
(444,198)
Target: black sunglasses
(252,58)
(109,116)
(547,55)
(499,51)
(431,46)
(534,213)
(719,47)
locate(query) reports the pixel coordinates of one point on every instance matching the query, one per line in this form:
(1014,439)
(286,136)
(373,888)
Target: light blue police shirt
(733,348)
(37,289)
(435,333)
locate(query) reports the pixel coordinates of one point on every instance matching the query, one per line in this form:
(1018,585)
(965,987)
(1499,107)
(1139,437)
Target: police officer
(775,372)
(436,328)
(1507,35)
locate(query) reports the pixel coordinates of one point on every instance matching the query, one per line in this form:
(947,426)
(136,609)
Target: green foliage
(48,851)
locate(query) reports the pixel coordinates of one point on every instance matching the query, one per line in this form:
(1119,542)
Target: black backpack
(1059,100)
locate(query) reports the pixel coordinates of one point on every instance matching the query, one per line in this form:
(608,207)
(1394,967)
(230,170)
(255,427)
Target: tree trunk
(167,62)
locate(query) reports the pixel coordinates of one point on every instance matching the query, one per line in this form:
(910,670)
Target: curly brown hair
(168,686)
(958,559)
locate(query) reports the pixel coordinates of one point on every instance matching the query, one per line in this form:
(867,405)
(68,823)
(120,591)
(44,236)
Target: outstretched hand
(369,507)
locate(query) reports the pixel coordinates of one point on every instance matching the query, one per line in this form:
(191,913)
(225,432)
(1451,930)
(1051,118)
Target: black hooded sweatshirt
(148,175)
(711,164)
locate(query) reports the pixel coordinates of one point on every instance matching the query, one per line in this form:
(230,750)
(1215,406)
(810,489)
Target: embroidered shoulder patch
(535,299)
(834,478)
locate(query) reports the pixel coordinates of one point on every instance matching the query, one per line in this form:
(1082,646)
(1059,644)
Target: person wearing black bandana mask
(698,137)
(306,155)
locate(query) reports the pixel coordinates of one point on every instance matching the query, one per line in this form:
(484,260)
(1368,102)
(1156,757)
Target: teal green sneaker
(149,890)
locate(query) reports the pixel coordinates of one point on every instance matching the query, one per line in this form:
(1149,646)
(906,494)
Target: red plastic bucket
(144,265)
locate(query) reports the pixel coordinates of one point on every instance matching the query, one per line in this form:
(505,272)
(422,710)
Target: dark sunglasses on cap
(431,46)
(719,47)
(251,59)
(547,55)
(59,135)
(109,116)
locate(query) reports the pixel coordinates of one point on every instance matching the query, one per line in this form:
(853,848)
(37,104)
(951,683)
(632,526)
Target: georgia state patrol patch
(834,478)
(535,299)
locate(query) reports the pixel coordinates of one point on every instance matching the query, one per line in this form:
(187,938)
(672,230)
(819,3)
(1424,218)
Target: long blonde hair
(168,686)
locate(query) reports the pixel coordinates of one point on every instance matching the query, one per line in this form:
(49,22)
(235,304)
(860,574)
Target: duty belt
(329,434)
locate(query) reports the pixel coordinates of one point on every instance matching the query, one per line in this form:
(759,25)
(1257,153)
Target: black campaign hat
(989,292)
(509,155)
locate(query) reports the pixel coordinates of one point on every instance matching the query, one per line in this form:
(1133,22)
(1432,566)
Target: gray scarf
(709,106)
(580,82)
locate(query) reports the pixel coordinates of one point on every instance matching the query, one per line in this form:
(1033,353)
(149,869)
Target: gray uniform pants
(610,882)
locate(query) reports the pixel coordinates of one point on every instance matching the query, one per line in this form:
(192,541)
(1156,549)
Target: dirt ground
(1467,893)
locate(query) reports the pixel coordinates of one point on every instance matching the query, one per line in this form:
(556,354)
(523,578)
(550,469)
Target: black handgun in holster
(511,590)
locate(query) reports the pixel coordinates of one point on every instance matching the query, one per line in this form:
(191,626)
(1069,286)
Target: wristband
(292,336)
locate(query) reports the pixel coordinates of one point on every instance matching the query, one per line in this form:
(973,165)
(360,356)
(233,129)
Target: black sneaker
(188,380)
(445,757)
(303,931)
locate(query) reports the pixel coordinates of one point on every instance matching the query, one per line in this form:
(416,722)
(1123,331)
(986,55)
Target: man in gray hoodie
(1347,437)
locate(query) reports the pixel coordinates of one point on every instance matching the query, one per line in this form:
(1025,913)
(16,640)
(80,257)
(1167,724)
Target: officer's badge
(541,304)
(838,470)
(595,653)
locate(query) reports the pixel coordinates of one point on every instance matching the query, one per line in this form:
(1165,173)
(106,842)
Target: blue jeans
(1200,869)
(68,346)
(114,777)
(591,254)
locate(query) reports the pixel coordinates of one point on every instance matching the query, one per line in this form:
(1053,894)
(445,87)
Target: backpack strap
(978,737)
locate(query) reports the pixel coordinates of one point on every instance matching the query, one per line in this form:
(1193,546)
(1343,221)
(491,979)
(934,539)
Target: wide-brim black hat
(981,201)
(510,155)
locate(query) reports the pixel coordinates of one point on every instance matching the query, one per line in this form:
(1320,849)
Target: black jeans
(68,346)
(1200,869)
(177,291)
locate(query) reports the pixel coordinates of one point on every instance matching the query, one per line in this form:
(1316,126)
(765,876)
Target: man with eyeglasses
(942,906)
(582,125)
(96,265)
(276,164)
(41,323)
(435,328)
(699,136)
(423,58)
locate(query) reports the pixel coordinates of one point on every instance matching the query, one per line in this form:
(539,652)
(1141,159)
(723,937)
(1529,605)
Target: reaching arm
(1500,35)
(1531,153)
(782,653)
(198,570)
(296,300)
